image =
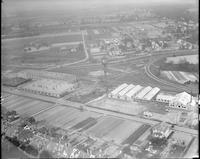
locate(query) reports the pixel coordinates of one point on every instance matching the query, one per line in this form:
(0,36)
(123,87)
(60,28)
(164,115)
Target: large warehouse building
(131,94)
(49,87)
(114,93)
(40,74)
(139,93)
(125,90)
(151,94)
(164,97)
(142,93)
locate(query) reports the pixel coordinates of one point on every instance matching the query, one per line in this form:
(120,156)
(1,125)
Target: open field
(65,117)
(13,51)
(134,136)
(105,126)
(85,71)
(119,105)
(121,132)
(102,33)
(24,105)
(142,138)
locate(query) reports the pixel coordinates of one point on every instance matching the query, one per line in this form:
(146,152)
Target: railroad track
(152,76)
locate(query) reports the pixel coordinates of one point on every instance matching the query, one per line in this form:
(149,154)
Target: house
(162,130)
(181,101)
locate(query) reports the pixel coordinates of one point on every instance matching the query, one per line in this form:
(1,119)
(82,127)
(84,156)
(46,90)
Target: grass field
(105,126)
(24,105)
(135,135)
(121,132)
(65,117)
(13,51)
(119,105)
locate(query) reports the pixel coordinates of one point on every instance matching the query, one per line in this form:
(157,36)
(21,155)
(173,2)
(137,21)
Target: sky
(22,5)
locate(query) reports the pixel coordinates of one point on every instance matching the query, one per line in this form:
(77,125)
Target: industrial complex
(140,93)
(81,80)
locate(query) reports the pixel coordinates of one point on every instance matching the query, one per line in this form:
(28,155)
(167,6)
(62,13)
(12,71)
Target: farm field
(65,117)
(142,138)
(104,127)
(135,135)
(119,105)
(24,105)
(121,132)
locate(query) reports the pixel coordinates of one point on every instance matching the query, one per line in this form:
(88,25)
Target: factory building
(149,96)
(40,74)
(125,90)
(131,94)
(143,92)
(164,97)
(114,93)
(49,87)
(182,101)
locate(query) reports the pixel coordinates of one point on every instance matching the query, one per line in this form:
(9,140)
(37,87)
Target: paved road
(94,109)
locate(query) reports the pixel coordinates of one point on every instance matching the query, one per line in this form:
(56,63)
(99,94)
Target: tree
(31,120)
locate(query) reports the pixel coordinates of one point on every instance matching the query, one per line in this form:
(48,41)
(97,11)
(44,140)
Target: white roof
(133,91)
(119,88)
(163,96)
(125,90)
(143,92)
(152,93)
(184,98)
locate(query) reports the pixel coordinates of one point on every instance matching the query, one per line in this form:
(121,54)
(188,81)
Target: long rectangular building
(114,93)
(133,92)
(152,93)
(143,92)
(125,90)
(164,97)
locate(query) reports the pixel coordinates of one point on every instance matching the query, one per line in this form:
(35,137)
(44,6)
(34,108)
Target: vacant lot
(13,50)
(65,117)
(105,126)
(119,105)
(121,132)
(135,135)
(24,105)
